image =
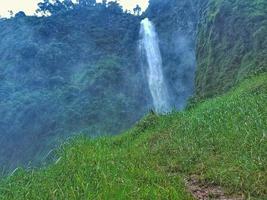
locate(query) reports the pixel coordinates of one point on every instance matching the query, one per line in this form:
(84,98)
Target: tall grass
(221,141)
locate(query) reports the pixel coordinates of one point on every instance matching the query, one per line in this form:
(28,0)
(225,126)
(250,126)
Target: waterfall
(150,47)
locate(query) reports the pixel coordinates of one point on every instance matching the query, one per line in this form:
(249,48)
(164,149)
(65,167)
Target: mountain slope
(231,44)
(71,72)
(221,141)
(79,70)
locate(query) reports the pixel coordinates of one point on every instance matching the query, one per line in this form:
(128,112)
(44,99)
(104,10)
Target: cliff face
(225,41)
(231,44)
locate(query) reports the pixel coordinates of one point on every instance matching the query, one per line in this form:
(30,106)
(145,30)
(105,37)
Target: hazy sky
(29,6)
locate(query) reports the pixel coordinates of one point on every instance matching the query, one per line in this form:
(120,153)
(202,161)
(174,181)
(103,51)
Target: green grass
(222,141)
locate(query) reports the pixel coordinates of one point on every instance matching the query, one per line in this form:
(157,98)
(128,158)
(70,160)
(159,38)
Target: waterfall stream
(157,86)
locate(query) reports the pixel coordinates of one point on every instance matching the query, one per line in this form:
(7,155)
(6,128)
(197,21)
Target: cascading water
(150,46)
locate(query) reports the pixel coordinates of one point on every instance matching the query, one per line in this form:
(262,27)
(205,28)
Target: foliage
(78,70)
(231,44)
(53,7)
(20,14)
(228,39)
(137,10)
(71,72)
(221,141)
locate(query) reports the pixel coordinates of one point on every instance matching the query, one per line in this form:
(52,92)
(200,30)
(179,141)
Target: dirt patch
(208,192)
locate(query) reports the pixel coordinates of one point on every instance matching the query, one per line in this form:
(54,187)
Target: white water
(157,86)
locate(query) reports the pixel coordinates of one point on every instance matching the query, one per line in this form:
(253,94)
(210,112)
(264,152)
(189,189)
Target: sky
(29,6)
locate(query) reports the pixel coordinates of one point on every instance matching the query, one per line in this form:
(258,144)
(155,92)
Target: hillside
(72,72)
(220,142)
(231,44)
(223,41)
(74,82)
(80,71)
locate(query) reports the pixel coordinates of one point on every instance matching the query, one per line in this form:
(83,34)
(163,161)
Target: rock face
(225,41)
(231,44)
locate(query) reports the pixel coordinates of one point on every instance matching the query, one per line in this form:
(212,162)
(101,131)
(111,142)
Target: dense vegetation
(220,141)
(232,44)
(79,71)
(75,71)
(227,39)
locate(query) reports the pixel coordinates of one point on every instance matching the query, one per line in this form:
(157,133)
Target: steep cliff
(231,44)
(225,41)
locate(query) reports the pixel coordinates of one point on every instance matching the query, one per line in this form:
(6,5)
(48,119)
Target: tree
(127,11)
(20,14)
(137,10)
(11,13)
(56,6)
(86,3)
(68,4)
(115,7)
(104,2)
(44,7)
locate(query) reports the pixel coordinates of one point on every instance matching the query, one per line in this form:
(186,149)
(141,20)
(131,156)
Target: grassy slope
(222,140)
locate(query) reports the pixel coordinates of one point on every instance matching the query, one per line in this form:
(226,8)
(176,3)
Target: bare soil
(202,191)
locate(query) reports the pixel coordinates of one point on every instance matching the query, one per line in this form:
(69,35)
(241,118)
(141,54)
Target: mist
(80,71)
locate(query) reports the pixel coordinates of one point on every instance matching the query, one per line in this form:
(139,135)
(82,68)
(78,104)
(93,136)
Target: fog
(81,72)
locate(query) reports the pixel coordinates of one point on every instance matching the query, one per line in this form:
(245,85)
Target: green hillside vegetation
(221,141)
(75,71)
(231,44)
(80,70)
